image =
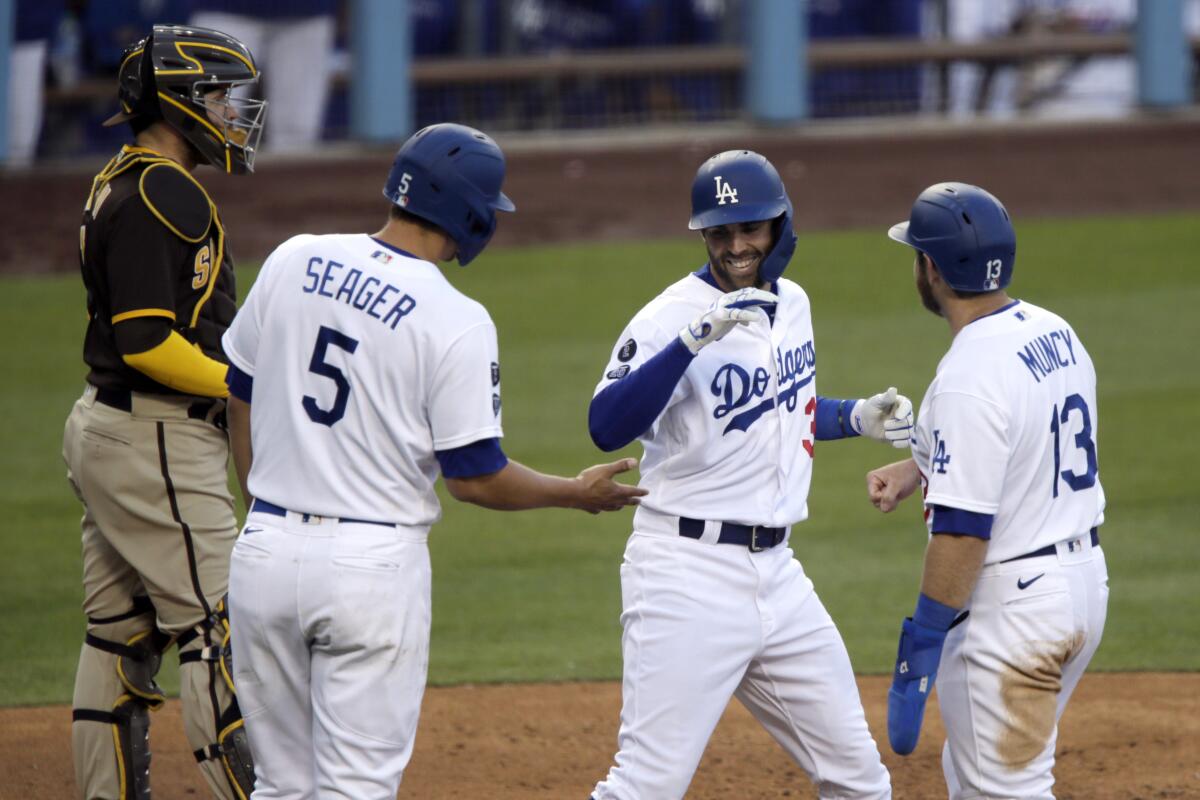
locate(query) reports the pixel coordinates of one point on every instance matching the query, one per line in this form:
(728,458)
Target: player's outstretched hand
(887,486)
(885,417)
(741,306)
(601,493)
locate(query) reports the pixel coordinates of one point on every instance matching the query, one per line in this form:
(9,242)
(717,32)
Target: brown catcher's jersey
(151,246)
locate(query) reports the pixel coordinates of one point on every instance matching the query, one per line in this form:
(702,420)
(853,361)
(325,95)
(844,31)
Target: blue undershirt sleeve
(833,418)
(472,460)
(626,408)
(240,384)
(964,523)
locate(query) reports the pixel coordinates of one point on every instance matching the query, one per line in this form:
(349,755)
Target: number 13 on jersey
(1059,419)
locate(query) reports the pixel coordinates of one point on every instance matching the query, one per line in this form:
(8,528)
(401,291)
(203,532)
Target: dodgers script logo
(725,192)
(736,388)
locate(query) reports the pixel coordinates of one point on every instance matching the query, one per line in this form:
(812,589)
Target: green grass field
(535,595)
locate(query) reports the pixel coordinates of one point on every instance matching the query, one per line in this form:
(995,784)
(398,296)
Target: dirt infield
(591,189)
(1124,737)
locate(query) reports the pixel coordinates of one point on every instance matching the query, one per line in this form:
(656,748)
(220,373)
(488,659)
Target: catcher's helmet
(166,75)
(742,186)
(967,234)
(450,175)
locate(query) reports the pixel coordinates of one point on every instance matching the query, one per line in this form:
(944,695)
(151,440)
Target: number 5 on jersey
(318,364)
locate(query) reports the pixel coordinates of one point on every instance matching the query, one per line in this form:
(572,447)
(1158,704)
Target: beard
(926,293)
(724,278)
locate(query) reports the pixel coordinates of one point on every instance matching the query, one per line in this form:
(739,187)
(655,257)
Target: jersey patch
(496,405)
(177,201)
(495,374)
(619,372)
(627,351)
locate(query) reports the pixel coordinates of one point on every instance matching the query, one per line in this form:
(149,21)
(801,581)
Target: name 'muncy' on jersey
(365,362)
(1008,429)
(735,442)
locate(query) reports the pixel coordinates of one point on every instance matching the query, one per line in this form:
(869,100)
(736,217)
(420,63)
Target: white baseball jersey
(1008,429)
(365,361)
(735,442)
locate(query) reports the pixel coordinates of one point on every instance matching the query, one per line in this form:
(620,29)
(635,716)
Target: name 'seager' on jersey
(354,290)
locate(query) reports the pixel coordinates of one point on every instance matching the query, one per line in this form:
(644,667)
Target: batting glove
(739,307)
(885,417)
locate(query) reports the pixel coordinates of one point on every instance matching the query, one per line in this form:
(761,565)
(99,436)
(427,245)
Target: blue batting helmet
(967,234)
(450,175)
(742,186)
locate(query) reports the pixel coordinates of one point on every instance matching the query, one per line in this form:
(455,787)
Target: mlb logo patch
(403,201)
(1021,315)
(381,256)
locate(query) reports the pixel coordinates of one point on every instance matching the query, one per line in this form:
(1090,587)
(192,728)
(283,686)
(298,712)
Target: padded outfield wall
(634,185)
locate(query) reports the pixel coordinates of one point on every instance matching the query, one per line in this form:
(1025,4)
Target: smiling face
(736,251)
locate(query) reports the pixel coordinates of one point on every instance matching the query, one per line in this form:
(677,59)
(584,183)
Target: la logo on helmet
(725,192)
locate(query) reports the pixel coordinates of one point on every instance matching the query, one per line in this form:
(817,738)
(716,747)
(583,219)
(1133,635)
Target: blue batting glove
(922,637)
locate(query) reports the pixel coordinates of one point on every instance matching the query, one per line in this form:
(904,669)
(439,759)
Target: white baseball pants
(27,63)
(1008,670)
(706,622)
(295,56)
(330,632)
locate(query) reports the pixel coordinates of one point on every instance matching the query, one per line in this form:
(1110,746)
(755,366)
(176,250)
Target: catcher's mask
(742,186)
(450,175)
(167,75)
(967,234)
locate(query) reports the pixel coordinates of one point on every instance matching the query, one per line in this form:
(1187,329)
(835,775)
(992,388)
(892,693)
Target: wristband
(932,614)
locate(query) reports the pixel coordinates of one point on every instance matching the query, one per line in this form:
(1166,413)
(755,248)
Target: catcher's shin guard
(131,736)
(228,751)
(114,693)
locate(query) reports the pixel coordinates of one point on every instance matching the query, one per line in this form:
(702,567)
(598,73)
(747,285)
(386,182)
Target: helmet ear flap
(781,253)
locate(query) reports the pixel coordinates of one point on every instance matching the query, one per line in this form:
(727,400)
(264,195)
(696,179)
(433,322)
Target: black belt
(122,400)
(279,511)
(1051,549)
(756,537)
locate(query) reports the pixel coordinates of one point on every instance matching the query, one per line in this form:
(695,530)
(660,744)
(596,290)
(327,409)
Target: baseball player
(358,374)
(145,445)
(715,377)
(1015,588)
